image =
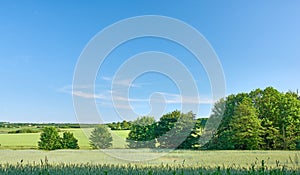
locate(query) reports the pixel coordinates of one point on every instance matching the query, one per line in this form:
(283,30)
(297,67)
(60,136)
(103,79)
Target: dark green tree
(174,128)
(192,140)
(69,141)
(223,110)
(101,138)
(50,139)
(141,134)
(209,137)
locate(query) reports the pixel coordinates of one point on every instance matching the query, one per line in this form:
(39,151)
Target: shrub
(50,139)
(69,141)
(100,138)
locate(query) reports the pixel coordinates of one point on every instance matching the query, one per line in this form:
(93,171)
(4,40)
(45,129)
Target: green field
(17,148)
(174,162)
(118,156)
(30,140)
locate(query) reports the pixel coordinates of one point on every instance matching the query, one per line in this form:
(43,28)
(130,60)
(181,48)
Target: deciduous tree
(50,139)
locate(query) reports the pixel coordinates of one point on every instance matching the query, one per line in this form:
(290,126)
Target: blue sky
(40,43)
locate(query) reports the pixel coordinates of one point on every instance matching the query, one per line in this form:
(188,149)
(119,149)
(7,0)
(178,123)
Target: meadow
(30,140)
(174,162)
(19,155)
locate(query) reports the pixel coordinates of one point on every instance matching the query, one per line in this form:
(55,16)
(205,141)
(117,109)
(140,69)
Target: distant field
(30,140)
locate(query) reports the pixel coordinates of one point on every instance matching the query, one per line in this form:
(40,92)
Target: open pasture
(30,140)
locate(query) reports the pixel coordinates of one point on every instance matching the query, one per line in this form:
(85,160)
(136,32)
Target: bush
(69,141)
(100,138)
(50,139)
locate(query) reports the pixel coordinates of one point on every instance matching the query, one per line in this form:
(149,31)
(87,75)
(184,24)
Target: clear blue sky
(258,44)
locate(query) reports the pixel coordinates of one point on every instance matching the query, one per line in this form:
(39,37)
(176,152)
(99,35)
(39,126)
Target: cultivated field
(175,162)
(19,155)
(190,158)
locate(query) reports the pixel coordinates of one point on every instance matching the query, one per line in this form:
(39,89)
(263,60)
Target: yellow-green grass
(19,141)
(30,140)
(233,159)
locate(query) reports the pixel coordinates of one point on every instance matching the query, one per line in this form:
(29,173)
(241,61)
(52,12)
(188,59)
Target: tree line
(124,125)
(173,130)
(262,120)
(259,120)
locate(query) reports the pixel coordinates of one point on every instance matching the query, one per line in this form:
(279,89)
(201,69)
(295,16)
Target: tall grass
(80,169)
(45,168)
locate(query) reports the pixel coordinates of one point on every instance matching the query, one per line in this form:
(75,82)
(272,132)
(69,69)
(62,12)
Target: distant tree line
(43,125)
(124,125)
(24,130)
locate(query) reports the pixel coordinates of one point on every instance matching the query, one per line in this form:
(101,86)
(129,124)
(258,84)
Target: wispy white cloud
(106,78)
(108,96)
(81,91)
(172,98)
(126,83)
(88,95)
(122,82)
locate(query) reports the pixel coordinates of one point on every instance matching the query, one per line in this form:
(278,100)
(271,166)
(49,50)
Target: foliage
(245,127)
(25,130)
(124,125)
(69,141)
(192,139)
(141,134)
(173,130)
(50,139)
(275,115)
(101,138)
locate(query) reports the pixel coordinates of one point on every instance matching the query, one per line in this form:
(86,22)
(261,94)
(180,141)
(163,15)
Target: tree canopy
(173,130)
(262,119)
(50,140)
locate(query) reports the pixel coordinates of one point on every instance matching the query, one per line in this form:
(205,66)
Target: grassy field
(174,162)
(27,158)
(105,169)
(154,157)
(30,140)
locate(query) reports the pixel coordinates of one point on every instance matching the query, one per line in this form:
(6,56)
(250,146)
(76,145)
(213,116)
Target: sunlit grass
(30,140)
